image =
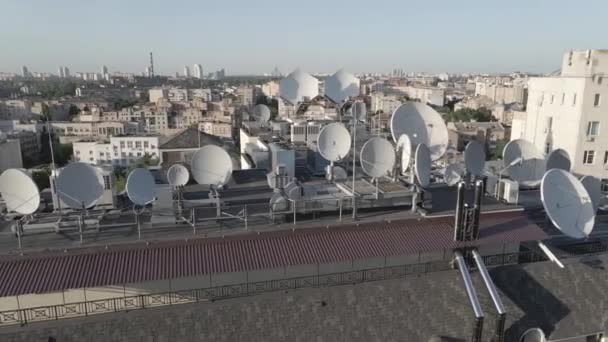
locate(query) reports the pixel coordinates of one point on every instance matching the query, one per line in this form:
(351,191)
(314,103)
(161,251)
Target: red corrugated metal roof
(90,267)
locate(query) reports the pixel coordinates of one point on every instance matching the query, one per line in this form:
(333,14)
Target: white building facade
(570,112)
(123,151)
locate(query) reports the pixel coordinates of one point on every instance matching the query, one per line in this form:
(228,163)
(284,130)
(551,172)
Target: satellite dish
(533,335)
(524,162)
(452,174)
(80,185)
(475,157)
(422,165)
(341,86)
(141,187)
(211,165)
(423,125)
(338,173)
(404,148)
(334,142)
(298,86)
(261,112)
(594,189)
(178,175)
(278,202)
(377,157)
(567,203)
(558,159)
(19,192)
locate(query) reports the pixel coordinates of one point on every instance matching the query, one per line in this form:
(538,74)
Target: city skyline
(247,38)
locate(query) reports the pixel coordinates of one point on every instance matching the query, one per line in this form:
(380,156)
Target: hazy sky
(246,36)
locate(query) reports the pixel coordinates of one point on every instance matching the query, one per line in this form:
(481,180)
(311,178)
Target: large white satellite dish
(261,112)
(567,203)
(475,157)
(178,175)
(298,86)
(594,189)
(524,162)
(423,125)
(19,192)
(211,165)
(334,142)
(341,86)
(377,157)
(422,165)
(80,185)
(558,159)
(533,335)
(141,187)
(404,150)
(452,174)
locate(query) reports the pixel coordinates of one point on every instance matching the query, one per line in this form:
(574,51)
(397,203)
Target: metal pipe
(458,216)
(472,294)
(477,208)
(500,308)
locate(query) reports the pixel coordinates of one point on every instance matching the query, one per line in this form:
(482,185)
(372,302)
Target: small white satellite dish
(567,203)
(278,202)
(423,125)
(19,192)
(533,335)
(80,185)
(404,150)
(261,112)
(452,174)
(178,175)
(558,159)
(527,171)
(594,189)
(338,173)
(211,165)
(475,158)
(377,157)
(422,165)
(141,187)
(334,142)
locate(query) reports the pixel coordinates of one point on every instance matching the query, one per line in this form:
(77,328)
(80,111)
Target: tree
(45,113)
(497,152)
(469,114)
(73,111)
(42,178)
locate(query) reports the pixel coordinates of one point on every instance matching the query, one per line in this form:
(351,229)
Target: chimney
(479,189)
(472,294)
(499,335)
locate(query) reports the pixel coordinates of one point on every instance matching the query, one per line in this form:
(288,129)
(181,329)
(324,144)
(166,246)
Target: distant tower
(24,71)
(198,71)
(104,70)
(66,72)
(186,71)
(60,72)
(148,72)
(151,72)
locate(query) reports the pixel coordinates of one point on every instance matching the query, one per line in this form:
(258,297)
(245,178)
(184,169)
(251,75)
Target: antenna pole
(54,169)
(354,162)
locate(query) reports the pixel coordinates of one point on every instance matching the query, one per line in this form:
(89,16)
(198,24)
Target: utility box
(508,191)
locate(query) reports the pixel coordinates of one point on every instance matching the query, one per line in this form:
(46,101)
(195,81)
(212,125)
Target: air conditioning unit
(508,191)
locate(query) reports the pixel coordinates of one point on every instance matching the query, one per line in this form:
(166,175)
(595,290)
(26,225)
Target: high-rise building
(104,69)
(25,72)
(186,71)
(60,72)
(148,72)
(66,72)
(198,71)
(569,112)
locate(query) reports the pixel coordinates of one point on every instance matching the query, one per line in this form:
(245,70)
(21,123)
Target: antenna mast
(151,66)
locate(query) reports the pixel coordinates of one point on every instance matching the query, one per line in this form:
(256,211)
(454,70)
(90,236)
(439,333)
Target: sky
(253,37)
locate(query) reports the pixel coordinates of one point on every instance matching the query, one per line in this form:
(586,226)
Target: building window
(122,144)
(138,144)
(145,144)
(129,144)
(123,154)
(606,157)
(139,154)
(596,100)
(130,154)
(106,182)
(599,80)
(588,157)
(574,99)
(547,148)
(593,128)
(552,97)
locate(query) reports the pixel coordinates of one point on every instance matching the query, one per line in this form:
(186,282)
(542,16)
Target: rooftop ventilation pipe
(477,209)
(472,294)
(460,213)
(499,335)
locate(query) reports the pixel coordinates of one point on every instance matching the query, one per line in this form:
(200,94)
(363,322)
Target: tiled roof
(89,267)
(189,139)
